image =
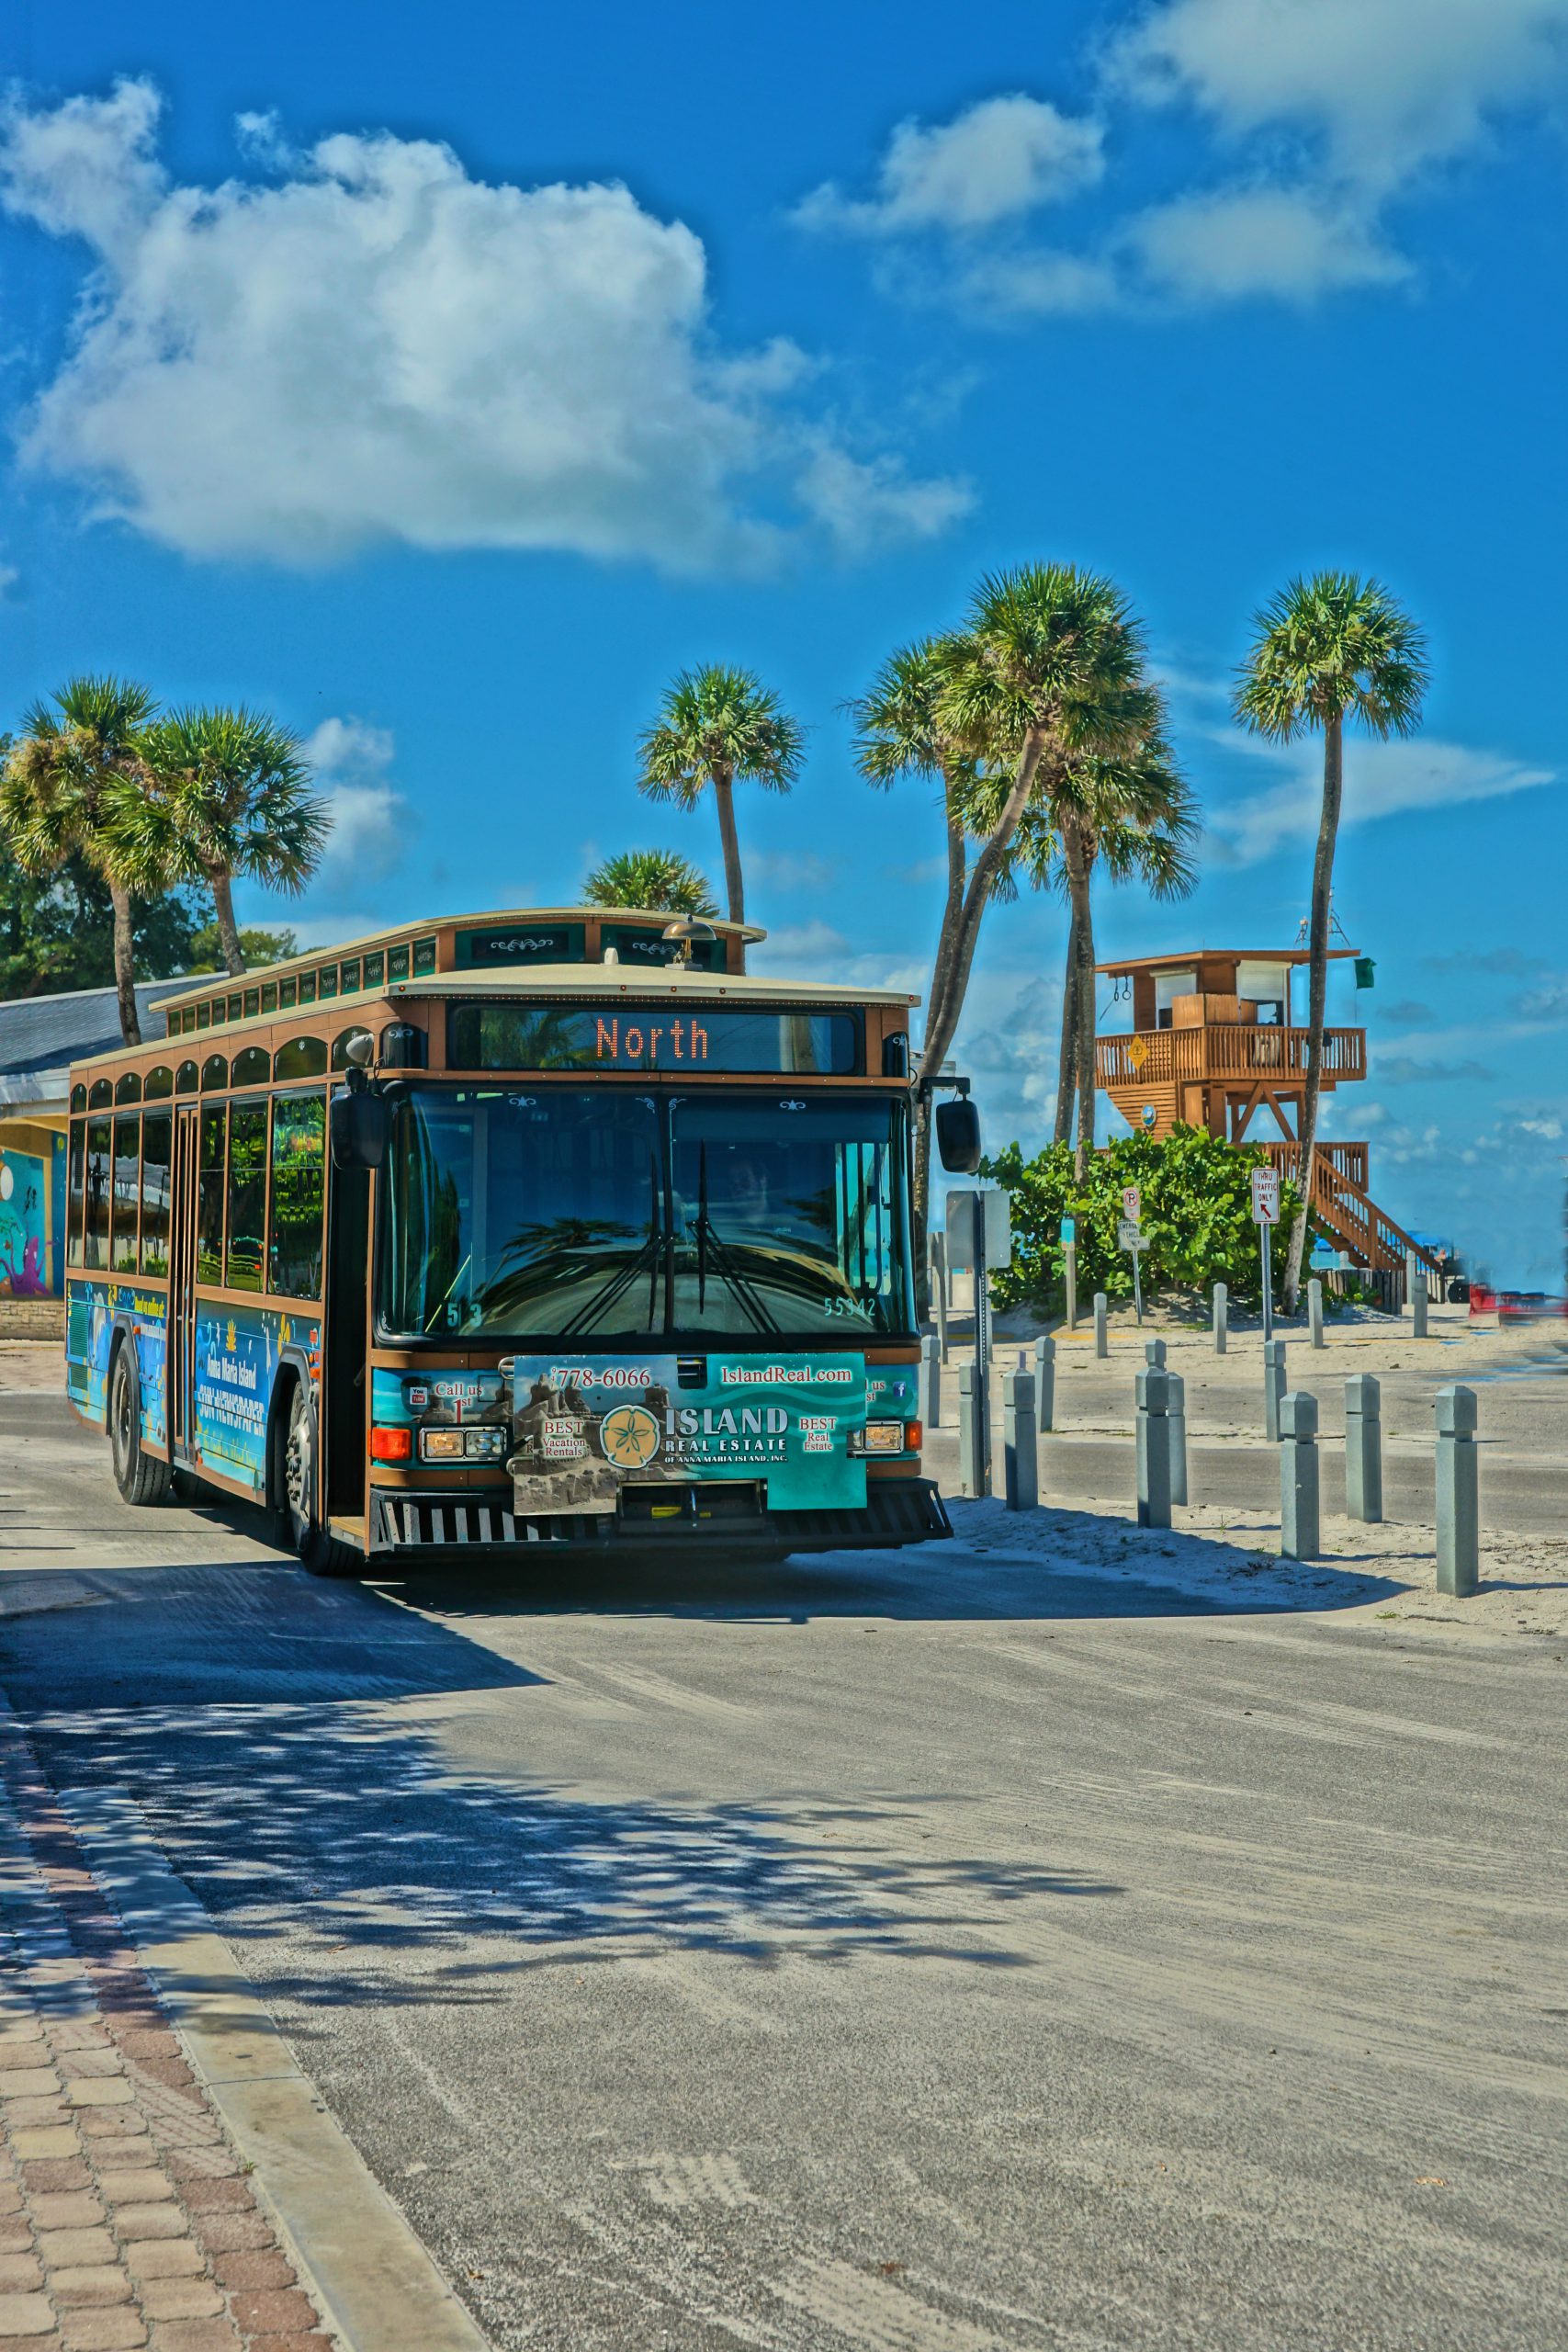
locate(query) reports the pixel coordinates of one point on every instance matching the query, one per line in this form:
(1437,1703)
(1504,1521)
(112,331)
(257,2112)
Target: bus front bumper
(898,1511)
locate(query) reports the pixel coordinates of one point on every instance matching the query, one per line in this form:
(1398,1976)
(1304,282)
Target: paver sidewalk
(126,2218)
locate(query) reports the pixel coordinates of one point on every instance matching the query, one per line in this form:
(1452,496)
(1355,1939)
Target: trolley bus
(543,1229)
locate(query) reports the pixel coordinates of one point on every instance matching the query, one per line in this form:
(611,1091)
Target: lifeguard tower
(1213,1043)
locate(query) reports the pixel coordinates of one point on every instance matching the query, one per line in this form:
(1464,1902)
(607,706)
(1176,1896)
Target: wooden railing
(1342,1202)
(1347,1159)
(1227,1050)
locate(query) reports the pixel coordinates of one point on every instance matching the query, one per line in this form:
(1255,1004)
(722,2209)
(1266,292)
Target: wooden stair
(1341,1203)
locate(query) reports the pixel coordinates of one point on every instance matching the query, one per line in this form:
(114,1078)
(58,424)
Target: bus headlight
(481,1444)
(881,1437)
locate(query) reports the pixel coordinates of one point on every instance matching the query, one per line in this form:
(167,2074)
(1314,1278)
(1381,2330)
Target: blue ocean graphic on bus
(588,1425)
(237,1349)
(91,1310)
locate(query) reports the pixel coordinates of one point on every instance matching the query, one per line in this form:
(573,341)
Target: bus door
(344,1378)
(182,1282)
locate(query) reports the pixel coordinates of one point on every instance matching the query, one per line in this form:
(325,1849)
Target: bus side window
(157,1135)
(127,1193)
(75,1189)
(96,1257)
(298,1163)
(247,1193)
(210,1193)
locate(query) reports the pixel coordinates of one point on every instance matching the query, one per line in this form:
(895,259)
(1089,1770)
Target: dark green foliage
(57,930)
(260,947)
(1196,1211)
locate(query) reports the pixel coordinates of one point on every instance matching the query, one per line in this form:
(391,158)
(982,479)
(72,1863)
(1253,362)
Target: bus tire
(294,1492)
(140,1478)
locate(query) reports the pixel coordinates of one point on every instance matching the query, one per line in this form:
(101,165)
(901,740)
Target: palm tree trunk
(982,877)
(125,964)
(222,890)
(1075,858)
(1066,1071)
(1317,988)
(734,883)
(957,861)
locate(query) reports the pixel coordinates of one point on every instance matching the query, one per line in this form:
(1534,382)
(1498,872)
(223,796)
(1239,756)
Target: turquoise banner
(586,1426)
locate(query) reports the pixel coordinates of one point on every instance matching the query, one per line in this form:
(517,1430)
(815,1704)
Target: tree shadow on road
(309,1814)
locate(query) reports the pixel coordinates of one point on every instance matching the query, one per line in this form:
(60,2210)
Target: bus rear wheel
(140,1478)
(294,1488)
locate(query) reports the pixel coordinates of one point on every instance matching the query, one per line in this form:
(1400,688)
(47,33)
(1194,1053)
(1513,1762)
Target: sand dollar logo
(629,1436)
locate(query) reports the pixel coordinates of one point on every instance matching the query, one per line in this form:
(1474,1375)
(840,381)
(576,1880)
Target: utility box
(985,1213)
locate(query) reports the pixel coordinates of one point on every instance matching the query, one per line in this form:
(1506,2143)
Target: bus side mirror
(361,1124)
(958,1136)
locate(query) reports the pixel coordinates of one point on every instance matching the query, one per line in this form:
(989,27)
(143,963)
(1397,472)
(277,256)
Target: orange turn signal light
(913,1435)
(391,1445)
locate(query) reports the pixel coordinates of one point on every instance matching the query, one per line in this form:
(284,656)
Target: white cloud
(1038,283)
(1239,244)
(999,160)
(792,870)
(370,815)
(1386,85)
(1380,780)
(376,346)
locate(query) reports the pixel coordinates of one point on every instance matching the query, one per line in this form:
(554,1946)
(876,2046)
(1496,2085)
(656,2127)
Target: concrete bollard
(1299,1515)
(1045,1380)
(931,1381)
(1222,1316)
(1459,1493)
(1315,1311)
(1151,1390)
(1363,1448)
(1177,1436)
(1153,1354)
(1418,1304)
(971,1434)
(1273,1387)
(1020,1454)
(1102,1331)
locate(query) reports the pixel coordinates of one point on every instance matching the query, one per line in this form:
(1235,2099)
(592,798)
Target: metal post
(1177,1436)
(1021,1458)
(1458,1496)
(1101,1335)
(931,1381)
(1070,1272)
(1045,1380)
(1273,1384)
(1299,1531)
(1315,1311)
(971,1446)
(1151,1390)
(936,1248)
(1363,1448)
(1418,1302)
(1137,1290)
(982,1349)
(1267,1249)
(1221,1317)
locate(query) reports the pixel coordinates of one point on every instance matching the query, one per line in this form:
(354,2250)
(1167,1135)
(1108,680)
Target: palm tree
(658,880)
(78,781)
(1049,667)
(1327,649)
(233,797)
(1131,812)
(898,732)
(720,727)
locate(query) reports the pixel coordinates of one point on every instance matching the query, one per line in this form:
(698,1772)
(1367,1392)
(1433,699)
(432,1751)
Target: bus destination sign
(653,1037)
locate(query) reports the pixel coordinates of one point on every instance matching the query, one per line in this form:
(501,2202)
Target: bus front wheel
(140,1478)
(294,1488)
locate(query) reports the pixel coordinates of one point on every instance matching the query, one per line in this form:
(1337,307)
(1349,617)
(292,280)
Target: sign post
(1266,1216)
(1130,1234)
(1070,1237)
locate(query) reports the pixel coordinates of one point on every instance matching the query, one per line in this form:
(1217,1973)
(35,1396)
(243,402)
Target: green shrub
(1196,1211)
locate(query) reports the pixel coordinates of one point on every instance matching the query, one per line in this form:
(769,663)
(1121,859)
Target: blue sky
(447,378)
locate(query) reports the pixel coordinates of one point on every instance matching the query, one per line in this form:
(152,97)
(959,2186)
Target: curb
(374,2283)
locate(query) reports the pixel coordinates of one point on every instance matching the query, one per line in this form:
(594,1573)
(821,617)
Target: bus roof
(611,981)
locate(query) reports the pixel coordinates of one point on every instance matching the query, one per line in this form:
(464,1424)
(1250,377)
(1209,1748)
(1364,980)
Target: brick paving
(127,2220)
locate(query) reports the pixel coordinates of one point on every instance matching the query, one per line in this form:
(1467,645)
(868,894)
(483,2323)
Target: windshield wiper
(614,1288)
(725,1263)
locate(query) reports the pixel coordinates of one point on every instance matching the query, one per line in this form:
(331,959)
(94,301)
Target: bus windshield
(595,1213)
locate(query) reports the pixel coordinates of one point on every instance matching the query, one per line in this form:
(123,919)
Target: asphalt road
(920,1954)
